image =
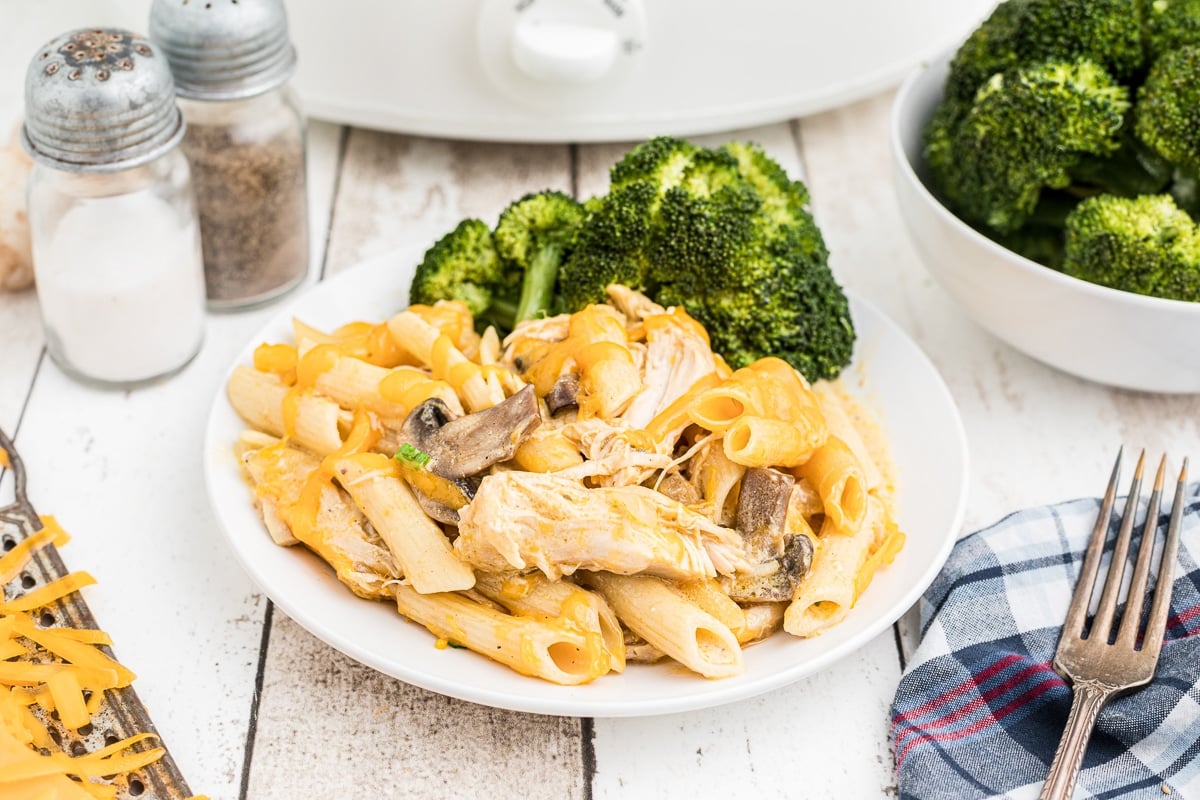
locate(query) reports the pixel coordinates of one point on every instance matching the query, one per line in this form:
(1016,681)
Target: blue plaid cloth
(979,710)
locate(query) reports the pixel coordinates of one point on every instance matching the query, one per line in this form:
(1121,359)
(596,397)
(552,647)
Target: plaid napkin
(979,710)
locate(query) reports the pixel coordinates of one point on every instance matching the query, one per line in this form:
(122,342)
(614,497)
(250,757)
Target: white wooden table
(252,706)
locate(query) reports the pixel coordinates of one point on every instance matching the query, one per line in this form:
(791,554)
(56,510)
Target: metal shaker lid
(99,100)
(224,49)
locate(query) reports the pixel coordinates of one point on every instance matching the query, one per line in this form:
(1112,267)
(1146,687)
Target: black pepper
(252,202)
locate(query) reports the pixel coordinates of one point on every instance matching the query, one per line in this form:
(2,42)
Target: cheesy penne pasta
(672,623)
(266,403)
(418,544)
(596,489)
(558,650)
(837,476)
(535,595)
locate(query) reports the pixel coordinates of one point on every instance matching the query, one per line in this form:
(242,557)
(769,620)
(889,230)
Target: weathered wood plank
(351,728)
(20,348)
(399,190)
(356,732)
(825,736)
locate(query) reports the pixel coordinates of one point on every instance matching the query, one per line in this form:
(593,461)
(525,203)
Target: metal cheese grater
(122,713)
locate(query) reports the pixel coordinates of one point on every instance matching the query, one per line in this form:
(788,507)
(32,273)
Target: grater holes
(78,749)
(47,619)
(136,787)
(110,738)
(85,730)
(28,581)
(9,543)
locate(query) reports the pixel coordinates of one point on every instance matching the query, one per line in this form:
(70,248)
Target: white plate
(890,374)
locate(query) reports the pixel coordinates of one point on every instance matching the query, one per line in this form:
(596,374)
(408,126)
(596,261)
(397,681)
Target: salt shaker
(232,60)
(112,215)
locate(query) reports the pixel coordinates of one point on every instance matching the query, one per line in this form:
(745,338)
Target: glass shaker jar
(232,60)
(112,215)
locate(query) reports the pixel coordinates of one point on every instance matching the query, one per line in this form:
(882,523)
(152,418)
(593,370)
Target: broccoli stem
(501,313)
(537,287)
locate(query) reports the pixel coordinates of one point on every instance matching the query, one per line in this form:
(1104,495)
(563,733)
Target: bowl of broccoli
(1047,168)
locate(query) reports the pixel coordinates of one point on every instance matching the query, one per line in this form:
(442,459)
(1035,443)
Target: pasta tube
(673,624)
(536,595)
(835,473)
(420,547)
(264,402)
(557,650)
(828,592)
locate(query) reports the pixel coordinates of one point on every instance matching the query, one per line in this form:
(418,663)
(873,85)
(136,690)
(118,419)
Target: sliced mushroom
(779,561)
(564,394)
(677,487)
(762,512)
(459,447)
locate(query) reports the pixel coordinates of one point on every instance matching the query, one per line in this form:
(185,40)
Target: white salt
(121,287)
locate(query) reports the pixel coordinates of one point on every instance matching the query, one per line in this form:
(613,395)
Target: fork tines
(1127,636)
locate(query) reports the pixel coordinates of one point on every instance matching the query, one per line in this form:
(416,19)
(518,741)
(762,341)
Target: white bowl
(1104,335)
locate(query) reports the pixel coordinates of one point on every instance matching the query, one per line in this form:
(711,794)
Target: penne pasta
(264,402)
(754,441)
(830,588)
(670,622)
(557,650)
(836,409)
(297,509)
(835,473)
(536,595)
(596,489)
(418,544)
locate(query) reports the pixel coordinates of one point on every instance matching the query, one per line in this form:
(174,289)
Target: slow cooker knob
(563,52)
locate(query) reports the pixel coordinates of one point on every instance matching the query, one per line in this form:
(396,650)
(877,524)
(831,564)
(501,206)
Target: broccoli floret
(1143,244)
(724,233)
(1167,119)
(1024,131)
(661,161)
(611,244)
(1167,113)
(534,235)
(992,47)
(736,246)
(463,265)
(1022,32)
(609,247)
(1170,24)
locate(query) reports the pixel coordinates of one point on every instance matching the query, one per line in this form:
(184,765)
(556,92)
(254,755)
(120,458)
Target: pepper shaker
(112,216)
(232,60)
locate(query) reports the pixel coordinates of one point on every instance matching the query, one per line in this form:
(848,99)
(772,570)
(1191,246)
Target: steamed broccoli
(610,245)
(533,235)
(463,265)
(507,275)
(1023,32)
(1145,245)
(726,234)
(1170,24)
(1024,131)
(1167,119)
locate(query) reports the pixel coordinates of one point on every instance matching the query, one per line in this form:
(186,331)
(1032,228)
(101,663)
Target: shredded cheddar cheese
(62,671)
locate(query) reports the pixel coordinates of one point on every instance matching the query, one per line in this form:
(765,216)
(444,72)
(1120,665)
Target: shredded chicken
(524,520)
(677,355)
(616,455)
(341,535)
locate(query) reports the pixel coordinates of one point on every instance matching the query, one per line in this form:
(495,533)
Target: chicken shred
(524,520)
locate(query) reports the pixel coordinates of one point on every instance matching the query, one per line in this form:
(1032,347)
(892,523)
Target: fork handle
(1089,697)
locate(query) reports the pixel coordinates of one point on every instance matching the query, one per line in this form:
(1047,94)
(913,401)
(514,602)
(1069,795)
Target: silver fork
(1100,670)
